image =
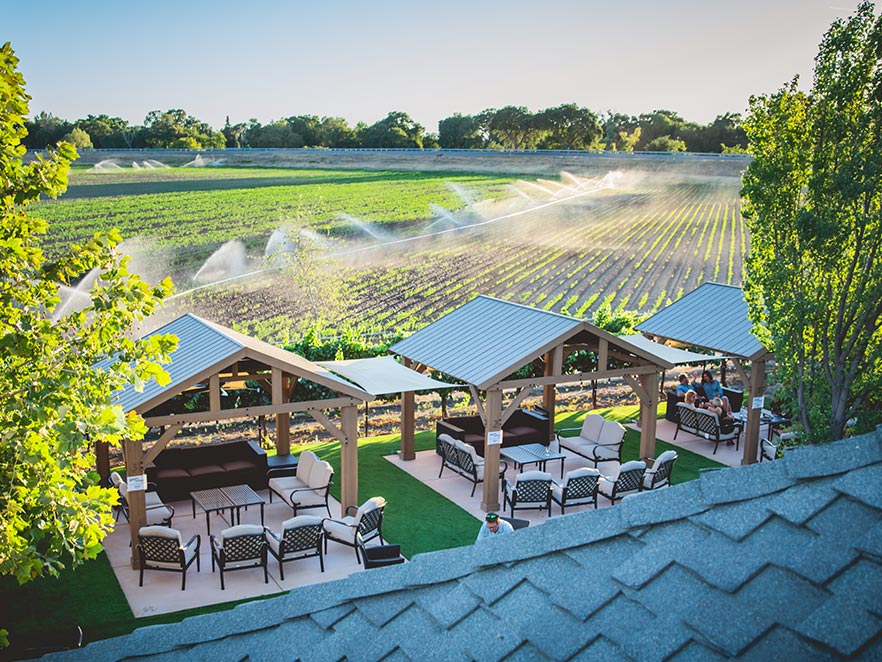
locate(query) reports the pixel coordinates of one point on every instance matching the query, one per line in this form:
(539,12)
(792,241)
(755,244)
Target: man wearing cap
(493,526)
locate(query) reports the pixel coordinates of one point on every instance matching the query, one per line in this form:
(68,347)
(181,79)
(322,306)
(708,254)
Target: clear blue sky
(360,59)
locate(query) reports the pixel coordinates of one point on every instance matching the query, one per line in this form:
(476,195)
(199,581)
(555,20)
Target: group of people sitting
(707,394)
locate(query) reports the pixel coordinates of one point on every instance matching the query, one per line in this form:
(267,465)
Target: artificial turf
(416,517)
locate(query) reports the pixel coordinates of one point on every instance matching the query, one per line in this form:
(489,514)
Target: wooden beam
(283,418)
(102,461)
(553,366)
(349,459)
(161,443)
(137,505)
(649,396)
(408,418)
(478,404)
(515,404)
(757,389)
(328,424)
(493,411)
(248,412)
(214,395)
(602,356)
(742,373)
(577,377)
(637,386)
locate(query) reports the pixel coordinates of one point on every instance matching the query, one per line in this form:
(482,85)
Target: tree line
(567,126)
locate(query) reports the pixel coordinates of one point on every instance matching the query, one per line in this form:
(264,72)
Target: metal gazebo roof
(712,316)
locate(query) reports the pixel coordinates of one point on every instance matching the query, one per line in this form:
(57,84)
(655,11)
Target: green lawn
(91,597)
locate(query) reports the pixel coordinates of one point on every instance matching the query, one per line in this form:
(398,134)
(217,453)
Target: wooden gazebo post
(408,415)
(493,422)
(349,458)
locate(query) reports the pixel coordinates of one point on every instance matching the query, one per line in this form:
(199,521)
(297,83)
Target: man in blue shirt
(684,386)
(493,526)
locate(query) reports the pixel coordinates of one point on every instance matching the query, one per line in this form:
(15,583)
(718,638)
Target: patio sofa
(523,427)
(704,423)
(177,471)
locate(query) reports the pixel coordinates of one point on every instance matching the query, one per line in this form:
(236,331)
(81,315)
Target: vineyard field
(634,240)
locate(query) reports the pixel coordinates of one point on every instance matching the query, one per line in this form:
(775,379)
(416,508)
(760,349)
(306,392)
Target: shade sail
(383,375)
(670,354)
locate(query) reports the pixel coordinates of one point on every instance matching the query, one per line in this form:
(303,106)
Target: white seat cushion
(657,463)
(612,433)
(591,427)
(283,486)
(320,475)
(304,465)
(342,529)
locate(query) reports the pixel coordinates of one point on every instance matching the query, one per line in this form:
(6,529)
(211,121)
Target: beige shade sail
(383,375)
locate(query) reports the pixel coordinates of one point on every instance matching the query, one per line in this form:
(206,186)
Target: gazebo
(486,340)
(211,357)
(714,317)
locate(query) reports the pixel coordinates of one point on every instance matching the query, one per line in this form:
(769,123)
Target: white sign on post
(757,402)
(137,483)
(494,438)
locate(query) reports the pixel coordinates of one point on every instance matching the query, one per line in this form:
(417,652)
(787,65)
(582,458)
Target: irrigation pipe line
(404,240)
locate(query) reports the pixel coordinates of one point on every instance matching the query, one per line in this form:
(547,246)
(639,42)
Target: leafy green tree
(659,123)
(666,144)
(336,132)
(510,127)
(813,200)
(78,138)
(275,134)
(397,129)
(234,133)
(460,132)
(175,129)
(54,402)
(45,130)
(568,127)
(107,132)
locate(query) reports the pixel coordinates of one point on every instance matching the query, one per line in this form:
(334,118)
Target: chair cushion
(342,529)
(165,473)
(304,465)
(661,459)
(206,470)
(532,475)
(161,532)
(241,530)
(602,452)
(578,473)
(591,427)
(285,484)
(158,515)
(371,504)
(320,475)
(612,433)
(238,465)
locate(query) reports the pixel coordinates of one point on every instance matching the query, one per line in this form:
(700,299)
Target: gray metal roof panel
(484,338)
(713,316)
(660,586)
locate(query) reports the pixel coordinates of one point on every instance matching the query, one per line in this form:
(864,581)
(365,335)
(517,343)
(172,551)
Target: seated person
(697,386)
(691,398)
(713,389)
(683,386)
(727,421)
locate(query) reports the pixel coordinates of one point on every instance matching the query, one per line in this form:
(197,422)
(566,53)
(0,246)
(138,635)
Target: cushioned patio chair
(629,480)
(358,526)
(313,494)
(300,538)
(239,547)
(284,484)
(659,474)
(579,488)
(530,490)
(158,513)
(768,450)
(161,548)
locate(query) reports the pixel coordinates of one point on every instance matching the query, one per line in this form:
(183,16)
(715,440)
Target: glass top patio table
(532,454)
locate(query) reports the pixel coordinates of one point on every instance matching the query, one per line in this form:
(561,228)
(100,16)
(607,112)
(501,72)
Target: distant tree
(54,402)
(657,124)
(106,132)
(813,200)
(234,133)
(275,134)
(45,130)
(568,127)
(616,128)
(175,129)
(510,127)
(307,127)
(397,129)
(460,132)
(336,132)
(724,131)
(78,138)
(666,144)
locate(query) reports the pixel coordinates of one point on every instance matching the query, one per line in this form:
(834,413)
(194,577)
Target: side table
(281,465)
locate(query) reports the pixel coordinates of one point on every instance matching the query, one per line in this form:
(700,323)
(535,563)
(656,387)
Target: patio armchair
(629,480)
(659,475)
(578,488)
(358,526)
(283,484)
(598,440)
(300,538)
(768,450)
(161,548)
(462,458)
(529,490)
(240,547)
(158,513)
(313,494)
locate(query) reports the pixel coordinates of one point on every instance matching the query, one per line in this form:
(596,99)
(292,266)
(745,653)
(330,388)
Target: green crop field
(407,247)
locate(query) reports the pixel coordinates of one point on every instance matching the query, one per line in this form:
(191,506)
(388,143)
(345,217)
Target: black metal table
(532,454)
(219,499)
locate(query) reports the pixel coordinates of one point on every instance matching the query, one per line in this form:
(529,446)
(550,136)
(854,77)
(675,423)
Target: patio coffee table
(234,497)
(532,454)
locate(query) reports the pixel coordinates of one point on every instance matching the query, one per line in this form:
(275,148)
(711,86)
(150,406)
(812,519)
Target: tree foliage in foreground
(813,197)
(54,402)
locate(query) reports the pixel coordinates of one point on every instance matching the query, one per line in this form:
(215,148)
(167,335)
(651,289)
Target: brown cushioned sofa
(523,427)
(179,470)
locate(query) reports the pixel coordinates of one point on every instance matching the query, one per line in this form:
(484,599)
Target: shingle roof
(779,560)
(204,345)
(713,316)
